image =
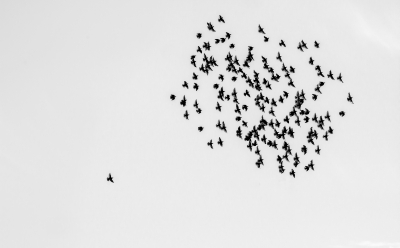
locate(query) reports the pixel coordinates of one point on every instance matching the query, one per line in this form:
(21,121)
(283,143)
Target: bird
(220,19)
(316,44)
(200,128)
(340,77)
(260,29)
(186,115)
(292,173)
(110,178)
(330,75)
(318,150)
(304,149)
(172,97)
(311,165)
(282,43)
(220,141)
(210,144)
(210,27)
(341,113)
(266,39)
(218,107)
(198,35)
(327,116)
(350,98)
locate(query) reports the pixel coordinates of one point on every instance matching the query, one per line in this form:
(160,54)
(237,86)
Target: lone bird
(110,178)
(350,98)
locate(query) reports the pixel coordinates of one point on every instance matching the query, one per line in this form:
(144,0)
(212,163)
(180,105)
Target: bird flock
(267,103)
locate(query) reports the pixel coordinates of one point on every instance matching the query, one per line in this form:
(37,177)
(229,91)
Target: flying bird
(350,98)
(210,27)
(220,141)
(220,19)
(292,173)
(210,144)
(260,29)
(110,178)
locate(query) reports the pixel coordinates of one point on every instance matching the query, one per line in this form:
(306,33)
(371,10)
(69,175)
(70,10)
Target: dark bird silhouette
(257,151)
(210,26)
(264,139)
(250,146)
(266,39)
(237,110)
(330,130)
(186,115)
(300,47)
(232,46)
(341,113)
(272,112)
(172,97)
(292,69)
(304,149)
(260,29)
(318,150)
(200,128)
(292,173)
(223,127)
(303,44)
(350,98)
(221,77)
(183,101)
(286,119)
(220,141)
(317,89)
(314,97)
(110,178)
(327,116)
(196,105)
(325,136)
(199,50)
(210,144)
(330,75)
(198,35)
(340,77)
(194,76)
(218,107)
(311,165)
(282,43)
(311,61)
(185,85)
(196,86)
(227,35)
(316,44)
(220,19)
(279,57)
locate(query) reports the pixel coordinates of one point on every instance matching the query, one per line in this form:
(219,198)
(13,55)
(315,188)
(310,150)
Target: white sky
(84,91)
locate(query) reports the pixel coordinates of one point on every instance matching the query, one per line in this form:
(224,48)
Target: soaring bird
(110,178)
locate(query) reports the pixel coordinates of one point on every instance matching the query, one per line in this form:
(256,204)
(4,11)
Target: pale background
(84,91)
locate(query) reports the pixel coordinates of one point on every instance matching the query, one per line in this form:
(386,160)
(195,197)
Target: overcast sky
(84,91)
